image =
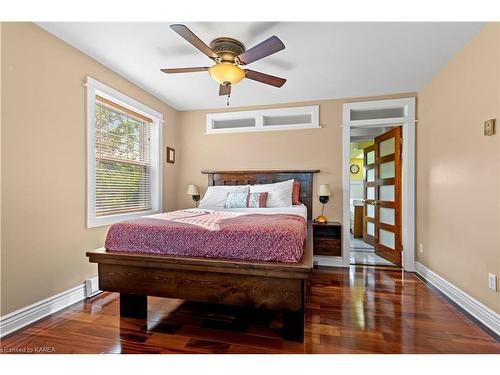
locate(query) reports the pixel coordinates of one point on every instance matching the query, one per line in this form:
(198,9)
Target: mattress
(299,209)
(275,235)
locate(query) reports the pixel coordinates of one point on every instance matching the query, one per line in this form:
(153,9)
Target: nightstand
(327,239)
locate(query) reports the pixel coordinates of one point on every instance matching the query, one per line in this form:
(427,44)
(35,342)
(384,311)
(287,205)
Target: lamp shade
(192,190)
(325,190)
(225,73)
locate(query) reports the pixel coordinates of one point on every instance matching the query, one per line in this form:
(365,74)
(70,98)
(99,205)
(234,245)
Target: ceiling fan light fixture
(226,73)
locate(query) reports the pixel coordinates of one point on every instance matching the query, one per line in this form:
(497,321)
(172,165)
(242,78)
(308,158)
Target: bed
(274,285)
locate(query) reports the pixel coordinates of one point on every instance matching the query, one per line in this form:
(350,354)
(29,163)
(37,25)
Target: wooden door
(382,196)
(369,197)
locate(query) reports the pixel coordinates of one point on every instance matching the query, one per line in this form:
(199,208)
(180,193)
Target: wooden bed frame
(269,285)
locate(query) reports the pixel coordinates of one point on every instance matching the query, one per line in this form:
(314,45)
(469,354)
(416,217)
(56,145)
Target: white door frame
(404,107)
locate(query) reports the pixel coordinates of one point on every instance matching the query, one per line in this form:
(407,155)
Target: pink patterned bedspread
(212,234)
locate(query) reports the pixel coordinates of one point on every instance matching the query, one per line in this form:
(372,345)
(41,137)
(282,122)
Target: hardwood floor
(361,310)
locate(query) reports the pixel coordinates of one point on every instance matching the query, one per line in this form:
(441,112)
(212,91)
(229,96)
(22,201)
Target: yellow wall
(357,158)
(359,175)
(44,238)
(458,169)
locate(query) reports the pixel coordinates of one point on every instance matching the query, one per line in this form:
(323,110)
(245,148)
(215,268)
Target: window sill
(95,222)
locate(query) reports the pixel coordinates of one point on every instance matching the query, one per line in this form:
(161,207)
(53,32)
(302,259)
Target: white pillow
(278,194)
(215,197)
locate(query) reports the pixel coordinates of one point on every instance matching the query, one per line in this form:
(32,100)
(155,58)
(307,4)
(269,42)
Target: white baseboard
(479,311)
(329,261)
(39,310)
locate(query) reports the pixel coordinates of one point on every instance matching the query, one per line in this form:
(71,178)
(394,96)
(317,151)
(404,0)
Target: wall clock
(354,168)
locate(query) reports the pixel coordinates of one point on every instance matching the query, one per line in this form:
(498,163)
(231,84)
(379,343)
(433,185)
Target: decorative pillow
(296,193)
(246,200)
(236,200)
(257,200)
(278,194)
(215,197)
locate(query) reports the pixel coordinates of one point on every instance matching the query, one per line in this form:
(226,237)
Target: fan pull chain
(228,96)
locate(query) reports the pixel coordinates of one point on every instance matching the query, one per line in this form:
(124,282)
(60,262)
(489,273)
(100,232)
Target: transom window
(124,174)
(264,120)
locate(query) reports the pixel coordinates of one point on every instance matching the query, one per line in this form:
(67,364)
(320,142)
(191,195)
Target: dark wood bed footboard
(269,285)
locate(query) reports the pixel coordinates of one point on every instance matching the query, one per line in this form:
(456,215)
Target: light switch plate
(489,127)
(492,282)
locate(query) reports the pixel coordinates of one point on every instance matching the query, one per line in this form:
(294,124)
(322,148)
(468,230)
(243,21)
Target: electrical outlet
(421,248)
(492,282)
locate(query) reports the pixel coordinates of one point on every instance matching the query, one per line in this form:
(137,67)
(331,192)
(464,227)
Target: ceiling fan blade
(264,78)
(187,34)
(261,50)
(185,70)
(224,90)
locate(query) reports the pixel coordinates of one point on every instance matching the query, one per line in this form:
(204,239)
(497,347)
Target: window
(124,177)
(264,120)
(380,112)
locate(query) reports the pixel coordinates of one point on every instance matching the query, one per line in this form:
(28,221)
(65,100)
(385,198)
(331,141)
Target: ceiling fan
(229,55)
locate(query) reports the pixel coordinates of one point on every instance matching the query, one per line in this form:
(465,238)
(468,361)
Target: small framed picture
(170,155)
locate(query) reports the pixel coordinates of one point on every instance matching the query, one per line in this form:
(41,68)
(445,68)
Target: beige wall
(44,238)
(314,148)
(458,175)
(43,161)
(1,24)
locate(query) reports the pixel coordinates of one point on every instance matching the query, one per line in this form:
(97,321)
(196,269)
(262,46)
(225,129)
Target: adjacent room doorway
(376,218)
(378,143)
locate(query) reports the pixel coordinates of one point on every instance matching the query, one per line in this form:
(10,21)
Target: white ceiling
(321,60)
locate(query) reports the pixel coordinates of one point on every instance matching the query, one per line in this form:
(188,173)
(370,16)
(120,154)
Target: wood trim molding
(482,313)
(30,314)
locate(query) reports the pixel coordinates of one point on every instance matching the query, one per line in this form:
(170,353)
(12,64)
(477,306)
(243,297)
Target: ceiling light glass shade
(226,72)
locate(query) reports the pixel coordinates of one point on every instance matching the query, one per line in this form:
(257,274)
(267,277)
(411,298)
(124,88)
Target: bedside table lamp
(324,193)
(194,192)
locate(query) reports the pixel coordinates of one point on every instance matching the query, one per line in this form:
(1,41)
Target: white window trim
(94,88)
(259,115)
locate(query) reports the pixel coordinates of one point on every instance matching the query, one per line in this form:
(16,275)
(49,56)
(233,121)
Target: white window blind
(122,159)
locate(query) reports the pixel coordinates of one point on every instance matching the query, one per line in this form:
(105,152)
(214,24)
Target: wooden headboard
(259,177)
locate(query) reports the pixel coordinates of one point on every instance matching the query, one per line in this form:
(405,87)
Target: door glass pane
(386,193)
(370,211)
(386,147)
(386,215)
(370,157)
(370,175)
(370,228)
(370,192)
(386,170)
(386,238)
